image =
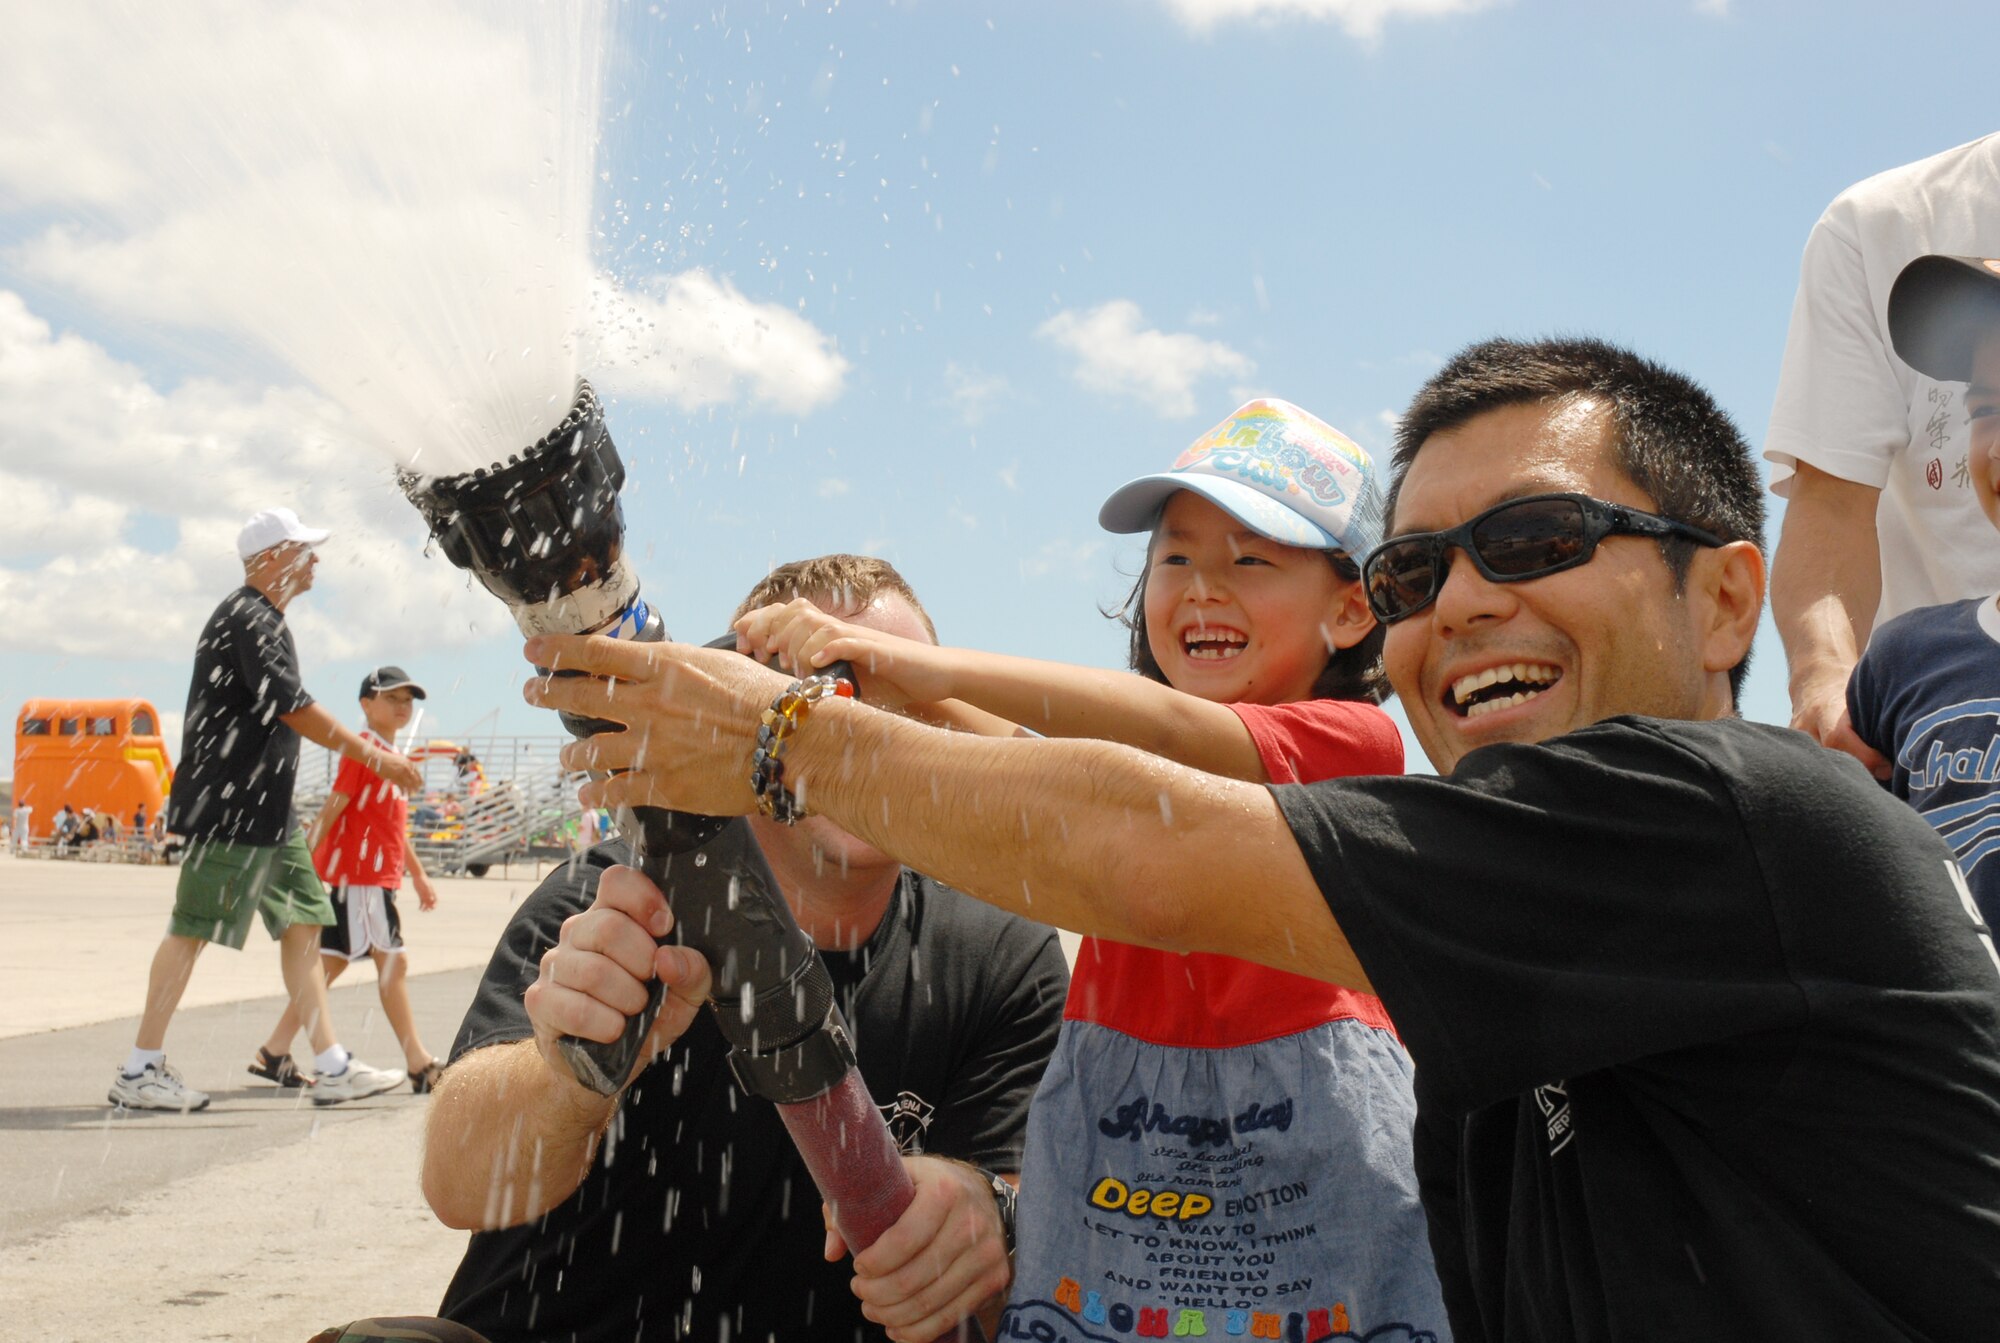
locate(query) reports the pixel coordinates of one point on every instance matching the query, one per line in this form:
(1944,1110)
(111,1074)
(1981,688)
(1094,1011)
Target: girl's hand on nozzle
(893,671)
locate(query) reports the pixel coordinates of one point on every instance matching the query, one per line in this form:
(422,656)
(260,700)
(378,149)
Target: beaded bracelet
(774,733)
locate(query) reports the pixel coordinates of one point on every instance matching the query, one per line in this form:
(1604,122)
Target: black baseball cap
(389,678)
(1939,308)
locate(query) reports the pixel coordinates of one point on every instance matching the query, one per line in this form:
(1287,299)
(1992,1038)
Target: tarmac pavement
(262,1217)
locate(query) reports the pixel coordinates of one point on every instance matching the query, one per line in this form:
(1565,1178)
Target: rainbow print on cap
(1279,470)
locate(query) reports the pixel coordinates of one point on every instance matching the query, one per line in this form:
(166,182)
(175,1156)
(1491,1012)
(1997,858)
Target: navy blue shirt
(1927,695)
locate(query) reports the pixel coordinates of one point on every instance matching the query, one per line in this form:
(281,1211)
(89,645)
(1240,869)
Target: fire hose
(544,531)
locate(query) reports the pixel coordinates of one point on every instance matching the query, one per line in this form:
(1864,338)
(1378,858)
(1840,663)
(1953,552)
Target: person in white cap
(1182,1084)
(232,804)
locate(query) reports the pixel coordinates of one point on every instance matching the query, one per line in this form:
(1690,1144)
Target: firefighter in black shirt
(681,1209)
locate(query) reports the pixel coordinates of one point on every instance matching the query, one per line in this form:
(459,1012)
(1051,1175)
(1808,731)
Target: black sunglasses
(1508,543)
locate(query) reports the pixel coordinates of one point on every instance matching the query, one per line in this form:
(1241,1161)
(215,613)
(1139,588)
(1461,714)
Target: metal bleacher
(525,806)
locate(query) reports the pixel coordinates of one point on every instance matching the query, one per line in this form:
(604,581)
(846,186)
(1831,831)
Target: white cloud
(89,447)
(1063,558)
(1715,8)
(393,204)
(397,211)
(972,393)
(695,340)
(44,517)
(1361,19)
(172,723)
(1118,354)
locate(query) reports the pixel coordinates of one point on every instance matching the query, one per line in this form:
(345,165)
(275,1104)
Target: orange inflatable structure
(105,754)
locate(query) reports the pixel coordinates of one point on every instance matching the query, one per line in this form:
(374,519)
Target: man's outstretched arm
(321,728)
(1090,836)
(1050,698)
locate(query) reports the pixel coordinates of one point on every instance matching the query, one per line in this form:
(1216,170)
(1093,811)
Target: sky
(927,280)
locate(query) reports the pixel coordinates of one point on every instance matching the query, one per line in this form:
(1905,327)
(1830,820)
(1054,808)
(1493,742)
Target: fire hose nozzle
(544,530)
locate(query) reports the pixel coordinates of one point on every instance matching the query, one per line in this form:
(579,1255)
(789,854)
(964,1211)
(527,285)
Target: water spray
(544,531)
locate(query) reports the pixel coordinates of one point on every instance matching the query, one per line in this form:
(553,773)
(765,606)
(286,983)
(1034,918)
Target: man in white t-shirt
(1870,453)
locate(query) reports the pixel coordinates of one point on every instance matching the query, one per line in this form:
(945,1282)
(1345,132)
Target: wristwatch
(1003,1198)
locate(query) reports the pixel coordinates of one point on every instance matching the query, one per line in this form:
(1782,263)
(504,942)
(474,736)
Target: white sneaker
(356,1081)
(157,1087)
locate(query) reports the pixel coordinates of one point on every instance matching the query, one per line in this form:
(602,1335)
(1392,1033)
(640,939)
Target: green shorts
(222,883)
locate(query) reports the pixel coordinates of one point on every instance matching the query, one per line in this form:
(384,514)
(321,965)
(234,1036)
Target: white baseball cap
(274,527)
(1279,470)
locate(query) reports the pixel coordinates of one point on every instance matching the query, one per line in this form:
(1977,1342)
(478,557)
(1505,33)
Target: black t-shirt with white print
(1707,1036)
(699,1220)
(238,760)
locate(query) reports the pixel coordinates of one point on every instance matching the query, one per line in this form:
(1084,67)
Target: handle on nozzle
(769,993)
(773,1002)
(604,1067)
(743,931)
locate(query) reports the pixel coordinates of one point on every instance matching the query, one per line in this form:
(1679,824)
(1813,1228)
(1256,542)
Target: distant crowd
(74,833)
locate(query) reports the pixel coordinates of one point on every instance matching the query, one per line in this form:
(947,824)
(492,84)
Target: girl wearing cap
(1212,1138)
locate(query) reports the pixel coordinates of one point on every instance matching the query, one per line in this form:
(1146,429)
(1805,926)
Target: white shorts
(365,921)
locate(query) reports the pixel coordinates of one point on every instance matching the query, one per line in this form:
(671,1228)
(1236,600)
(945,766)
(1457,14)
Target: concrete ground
(262,1217)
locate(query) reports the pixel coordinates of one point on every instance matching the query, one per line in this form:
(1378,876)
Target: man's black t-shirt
(698,1220)
(1707,1036)
(238,760)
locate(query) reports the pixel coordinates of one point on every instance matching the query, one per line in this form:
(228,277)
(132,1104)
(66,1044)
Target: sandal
(425,1079)
(277,1068)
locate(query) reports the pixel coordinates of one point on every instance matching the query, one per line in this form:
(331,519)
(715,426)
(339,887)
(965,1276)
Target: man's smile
(1503,686)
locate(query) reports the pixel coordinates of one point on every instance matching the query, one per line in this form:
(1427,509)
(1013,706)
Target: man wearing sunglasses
(1707,1035)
